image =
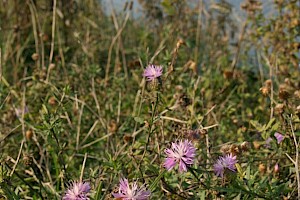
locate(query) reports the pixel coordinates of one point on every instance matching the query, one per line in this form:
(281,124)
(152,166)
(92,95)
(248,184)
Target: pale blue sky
(119,4)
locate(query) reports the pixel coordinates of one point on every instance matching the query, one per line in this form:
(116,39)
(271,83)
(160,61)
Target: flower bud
(262,168)
(28,134)
(276,168)
(35,56)
(256,144)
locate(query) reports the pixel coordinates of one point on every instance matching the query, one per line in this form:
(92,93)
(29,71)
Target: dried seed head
(190,65)
(179,43)
(110,196)
(262,168)
(134,64)
(287,81)
(295,23)
(296,45)
(35,56)
(127,138)
(178,88)
(234,149)
(42,73)
(243,129)
(279,2)
(298,110)
(283,70)
(29,134)
(75,110)
(112,127)
(235,121)
(28,160)
(228,74)
(256,144)
(193,67)
(146,124)
(203,132)
(268,83)
(52,101)
(297,94)
(265,90)
(193,135)
(184,100)
(51,66)
(283,93)
(279,108)
(244,146)
(45,37)
(225,149)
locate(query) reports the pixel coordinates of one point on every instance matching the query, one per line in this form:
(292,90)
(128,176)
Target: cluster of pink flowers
(279,137)
(181,153)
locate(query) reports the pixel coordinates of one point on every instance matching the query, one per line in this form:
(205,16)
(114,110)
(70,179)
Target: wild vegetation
(189,100)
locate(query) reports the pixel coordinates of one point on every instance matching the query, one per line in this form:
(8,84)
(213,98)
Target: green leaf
(256,124)
(139,120)
(155,182)
(276,126)
(240,170)
(168,8)
(98,191)
(270,123)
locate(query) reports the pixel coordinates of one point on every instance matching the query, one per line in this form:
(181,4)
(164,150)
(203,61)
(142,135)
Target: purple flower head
(279,137)
(182,153)
(225,162)
(268,141)
(77,191)
(152,72)
(19,111)
(131,193)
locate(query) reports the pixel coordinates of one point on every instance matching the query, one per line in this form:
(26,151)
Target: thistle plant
(186,99)
(77,191)
(182,153)
(131,191)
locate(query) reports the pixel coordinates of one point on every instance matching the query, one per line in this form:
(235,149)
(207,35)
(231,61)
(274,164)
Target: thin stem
(296,162)
(24,181)
(199,181)
(83,165)
(53,31)
(150,128)
(199,26)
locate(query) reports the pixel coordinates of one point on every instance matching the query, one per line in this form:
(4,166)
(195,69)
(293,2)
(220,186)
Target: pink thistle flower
(152,72)
(182,153)
(131,193)
(279,137)
(225,162)
(77,191)
(268,142)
